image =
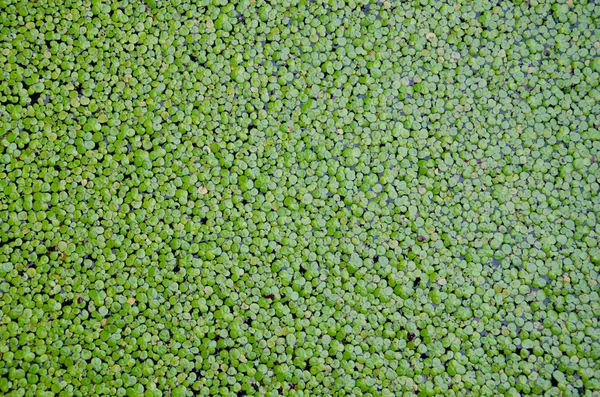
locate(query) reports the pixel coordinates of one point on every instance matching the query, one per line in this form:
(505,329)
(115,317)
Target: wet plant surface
(267,198)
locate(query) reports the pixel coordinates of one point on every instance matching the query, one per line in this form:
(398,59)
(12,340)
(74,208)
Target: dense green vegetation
(300,198)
